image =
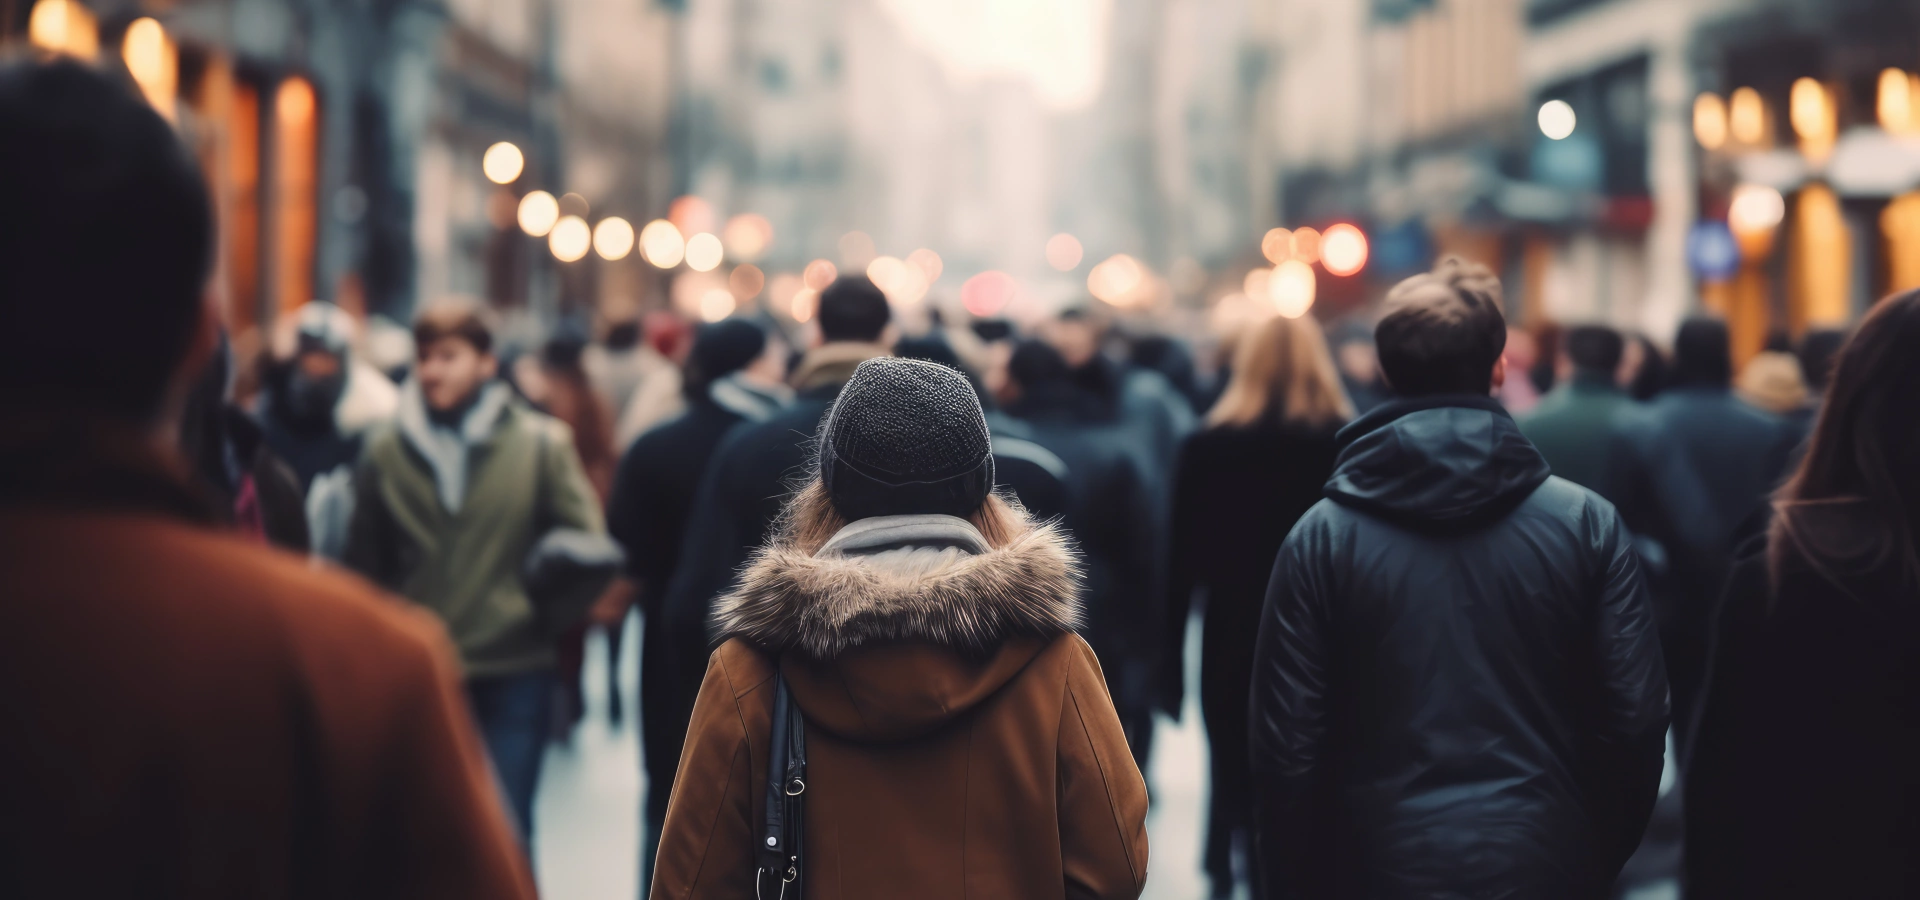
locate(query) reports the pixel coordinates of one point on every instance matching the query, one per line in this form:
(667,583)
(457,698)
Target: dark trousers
(513,712)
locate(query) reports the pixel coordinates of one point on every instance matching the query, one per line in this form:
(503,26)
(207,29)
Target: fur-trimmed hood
(929,579)
(900,624)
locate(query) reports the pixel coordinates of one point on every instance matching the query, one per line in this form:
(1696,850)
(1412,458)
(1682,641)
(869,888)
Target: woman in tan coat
(959,738)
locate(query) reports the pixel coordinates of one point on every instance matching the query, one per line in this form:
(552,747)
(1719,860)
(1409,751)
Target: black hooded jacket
(1458,689)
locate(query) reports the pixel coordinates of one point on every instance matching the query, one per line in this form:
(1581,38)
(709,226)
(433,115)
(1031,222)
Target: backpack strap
(780,853)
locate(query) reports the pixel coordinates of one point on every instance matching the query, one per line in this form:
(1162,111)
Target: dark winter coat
(1737,455)
(310,447)
(1577,429)
(1802,781)
(1458,689)
(1112,517)
(1236,494)
(648,514)
(960,741)
(256,491)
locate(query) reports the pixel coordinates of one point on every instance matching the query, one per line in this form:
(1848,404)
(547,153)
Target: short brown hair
(463,319)
(1443,331)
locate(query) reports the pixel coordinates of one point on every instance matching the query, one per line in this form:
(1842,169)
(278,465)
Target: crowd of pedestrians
(288,622)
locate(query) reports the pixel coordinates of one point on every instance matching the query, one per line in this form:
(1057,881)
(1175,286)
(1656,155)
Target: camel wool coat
(961,742)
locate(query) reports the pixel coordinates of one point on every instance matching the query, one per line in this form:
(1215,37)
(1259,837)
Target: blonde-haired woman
(957,739)
(1242,482)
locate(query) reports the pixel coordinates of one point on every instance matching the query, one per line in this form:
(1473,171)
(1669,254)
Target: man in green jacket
(450,499)
(1579,426)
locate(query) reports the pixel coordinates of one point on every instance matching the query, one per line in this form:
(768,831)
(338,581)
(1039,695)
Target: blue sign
(1401,249)
(1712,252)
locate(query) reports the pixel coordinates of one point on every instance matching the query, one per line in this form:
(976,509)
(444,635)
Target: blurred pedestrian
(735,373)
(958,738)
(1801,782)
(305,393)
(1150,414)
(1644,369)
(616,364)
(1519,395)
(1545,371)
(1111,516)
(1818,349)
(1138,412)
(1352,343)
(1241,484)
(649,373)
(1457,685)
(255,491)
(1737,454)
(1577,426)
(1772,382)
(571,397)
(1169,357)
(452,500)
(188,713)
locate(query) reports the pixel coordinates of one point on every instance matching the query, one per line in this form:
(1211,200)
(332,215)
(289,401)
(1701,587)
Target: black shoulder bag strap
(780,854)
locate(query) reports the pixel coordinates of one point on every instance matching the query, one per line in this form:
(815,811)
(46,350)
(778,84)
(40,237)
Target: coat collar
(97,466)
(476,427)
(833,364)
(929,579)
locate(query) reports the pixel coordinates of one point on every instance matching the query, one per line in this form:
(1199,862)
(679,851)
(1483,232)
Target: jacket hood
(1436,462)
(900,623)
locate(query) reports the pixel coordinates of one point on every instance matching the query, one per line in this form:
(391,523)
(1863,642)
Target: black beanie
(906,437)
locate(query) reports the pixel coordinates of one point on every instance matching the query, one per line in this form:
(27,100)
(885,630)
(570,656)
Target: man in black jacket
(1111,517)
(734,374)
(1458,688)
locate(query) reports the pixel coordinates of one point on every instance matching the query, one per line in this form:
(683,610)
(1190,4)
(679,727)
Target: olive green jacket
(523,479)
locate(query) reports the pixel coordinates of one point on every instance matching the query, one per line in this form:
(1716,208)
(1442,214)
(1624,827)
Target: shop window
(295,185)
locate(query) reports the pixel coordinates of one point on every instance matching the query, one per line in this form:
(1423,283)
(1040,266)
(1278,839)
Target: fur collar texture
(826,605)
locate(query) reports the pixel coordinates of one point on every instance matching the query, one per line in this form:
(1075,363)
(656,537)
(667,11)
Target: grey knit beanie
(906,437)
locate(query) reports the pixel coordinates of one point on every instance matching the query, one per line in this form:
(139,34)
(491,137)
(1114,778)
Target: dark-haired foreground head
(906,437)
(105,249)
(1443,332)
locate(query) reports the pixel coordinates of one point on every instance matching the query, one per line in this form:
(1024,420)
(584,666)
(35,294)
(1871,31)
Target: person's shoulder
(276,597)
(380,439)
(1204,445)
(1559,506)
(668,434)
(1551,406)
(524,420)
(1324,519)
(798,418)
(744,667)
(1066,660)
(1575,503)
(326,607)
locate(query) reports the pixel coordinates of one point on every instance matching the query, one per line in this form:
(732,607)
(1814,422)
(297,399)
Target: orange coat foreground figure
(960,739)
(184,713)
